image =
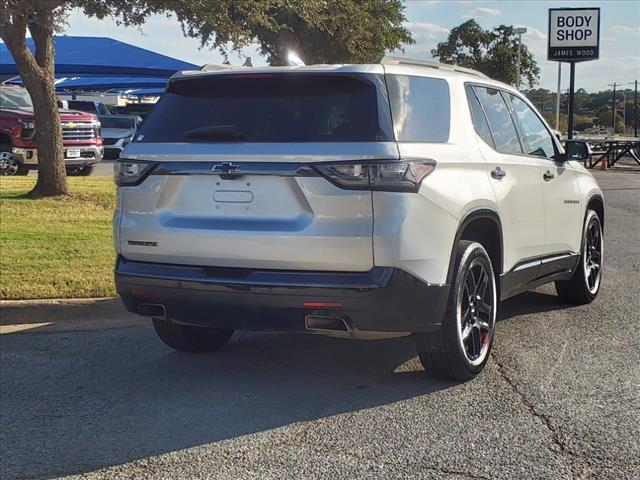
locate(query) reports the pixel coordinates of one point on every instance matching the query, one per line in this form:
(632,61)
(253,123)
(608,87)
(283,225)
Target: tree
(605,120)
(37,72)
(337,31)
(493,52)
(319,30)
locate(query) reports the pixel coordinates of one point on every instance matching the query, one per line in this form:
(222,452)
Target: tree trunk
(52,179)
(37,72)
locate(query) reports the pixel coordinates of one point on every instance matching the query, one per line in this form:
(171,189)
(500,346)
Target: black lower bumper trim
(382,299)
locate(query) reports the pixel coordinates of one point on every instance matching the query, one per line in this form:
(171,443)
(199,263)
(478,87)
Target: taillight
(131,172)
(392,175)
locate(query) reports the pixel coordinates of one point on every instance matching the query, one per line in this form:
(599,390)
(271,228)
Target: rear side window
(420,108)
(479,119)
(504,131)
(271,108)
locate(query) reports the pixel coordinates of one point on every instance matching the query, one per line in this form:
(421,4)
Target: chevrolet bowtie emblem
(226,168)
(70,125)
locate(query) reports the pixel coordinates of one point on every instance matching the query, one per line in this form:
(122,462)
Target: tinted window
(83,106)
(504,131)
(117,121)
(420,108)
(270,108)
(537,138)
(102,109)
(15,98)
(479,118)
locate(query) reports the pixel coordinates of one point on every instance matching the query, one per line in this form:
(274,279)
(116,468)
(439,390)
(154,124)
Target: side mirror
(576,150)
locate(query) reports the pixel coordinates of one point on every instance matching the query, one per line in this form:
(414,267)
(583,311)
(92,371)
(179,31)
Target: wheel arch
(596,203)
(482,225)
(5,138)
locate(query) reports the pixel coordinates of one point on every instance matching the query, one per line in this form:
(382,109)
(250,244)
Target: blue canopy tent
(119,84)
(101,56)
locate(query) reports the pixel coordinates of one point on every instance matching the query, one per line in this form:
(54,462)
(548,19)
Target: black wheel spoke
(470,284)
(482,287)
(484,307)
(477,344)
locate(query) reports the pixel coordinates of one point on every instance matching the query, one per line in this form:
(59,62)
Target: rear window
(420,108)
(81,105)
(276,108)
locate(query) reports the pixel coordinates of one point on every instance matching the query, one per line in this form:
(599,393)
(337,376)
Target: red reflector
(141,293)
(322,304)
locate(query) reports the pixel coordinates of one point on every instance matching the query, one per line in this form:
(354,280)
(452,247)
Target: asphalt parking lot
(95,394)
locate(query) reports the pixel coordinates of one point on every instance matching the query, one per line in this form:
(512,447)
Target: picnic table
(611,150)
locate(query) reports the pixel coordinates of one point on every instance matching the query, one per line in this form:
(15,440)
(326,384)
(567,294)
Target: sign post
(574,36)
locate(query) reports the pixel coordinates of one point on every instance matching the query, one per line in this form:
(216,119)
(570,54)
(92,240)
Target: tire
(190,339)
(87,171)
(581,288)
(80,171)
(9,165)
(460,349)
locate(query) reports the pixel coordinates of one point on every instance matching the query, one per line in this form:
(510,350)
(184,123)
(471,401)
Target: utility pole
(572,79)
(635,109)
(519,31)
(558,97)
(624,110)
(613,107)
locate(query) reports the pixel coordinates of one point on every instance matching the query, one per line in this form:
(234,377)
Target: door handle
(498,173)
(548,176)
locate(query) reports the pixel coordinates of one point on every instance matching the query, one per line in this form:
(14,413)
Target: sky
(430,22)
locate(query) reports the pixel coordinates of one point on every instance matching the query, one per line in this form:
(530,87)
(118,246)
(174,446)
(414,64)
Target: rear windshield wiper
(216,132)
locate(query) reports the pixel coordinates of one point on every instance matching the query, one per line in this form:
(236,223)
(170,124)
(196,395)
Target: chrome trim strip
(558,257)
(535,263)
(235,170)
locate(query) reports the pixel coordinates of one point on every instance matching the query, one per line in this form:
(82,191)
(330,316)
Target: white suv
(362,201)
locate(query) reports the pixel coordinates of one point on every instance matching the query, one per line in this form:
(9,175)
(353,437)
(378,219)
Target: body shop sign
(574,34)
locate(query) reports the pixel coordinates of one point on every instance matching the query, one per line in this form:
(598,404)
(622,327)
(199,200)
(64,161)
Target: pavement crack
(298,439)
(581,465)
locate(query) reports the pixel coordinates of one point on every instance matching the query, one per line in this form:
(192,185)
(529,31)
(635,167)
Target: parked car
(97,108)
(139,109)
(117,132)
(117,110)
(358,201)
(18,149)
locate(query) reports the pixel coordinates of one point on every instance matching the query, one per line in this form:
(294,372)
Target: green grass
(56,248)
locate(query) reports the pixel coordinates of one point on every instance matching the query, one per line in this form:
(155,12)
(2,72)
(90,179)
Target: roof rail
(212,67)
(388,60)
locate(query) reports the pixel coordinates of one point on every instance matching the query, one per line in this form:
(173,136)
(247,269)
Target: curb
(52,301)
(61,310)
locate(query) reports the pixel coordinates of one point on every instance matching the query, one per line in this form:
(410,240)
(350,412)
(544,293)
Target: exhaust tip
(152,310)
(325,323)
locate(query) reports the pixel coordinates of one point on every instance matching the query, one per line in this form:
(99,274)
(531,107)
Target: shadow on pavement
(531,302)
(77,401)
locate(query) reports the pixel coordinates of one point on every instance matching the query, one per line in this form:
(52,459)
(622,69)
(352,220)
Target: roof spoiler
(388,60)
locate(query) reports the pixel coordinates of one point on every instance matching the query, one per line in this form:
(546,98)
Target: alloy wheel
(592,255)
(8,164)
(476,310)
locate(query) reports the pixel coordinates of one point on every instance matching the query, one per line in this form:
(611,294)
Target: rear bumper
(380,300)
(89,155)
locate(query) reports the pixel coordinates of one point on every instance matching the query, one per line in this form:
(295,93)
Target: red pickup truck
(18,150)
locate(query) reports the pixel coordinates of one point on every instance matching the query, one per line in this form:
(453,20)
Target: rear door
(235,183)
